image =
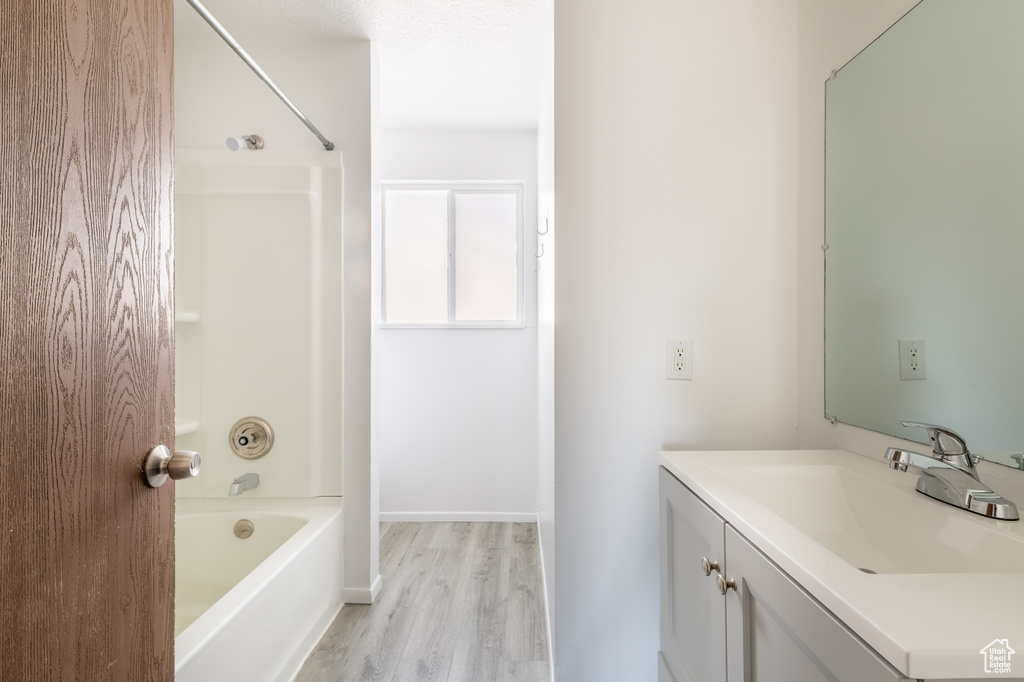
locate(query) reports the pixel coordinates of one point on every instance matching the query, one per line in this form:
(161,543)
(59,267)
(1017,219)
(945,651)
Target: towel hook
(547,228)
(539,256)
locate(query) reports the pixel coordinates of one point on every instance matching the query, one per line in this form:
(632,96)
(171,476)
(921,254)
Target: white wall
(217,96)
(675,149)
(456,422)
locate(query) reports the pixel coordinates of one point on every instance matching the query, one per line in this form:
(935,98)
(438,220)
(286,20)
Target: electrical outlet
(912,360)
(679,359)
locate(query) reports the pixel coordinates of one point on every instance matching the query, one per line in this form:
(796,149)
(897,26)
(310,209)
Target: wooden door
(86,339)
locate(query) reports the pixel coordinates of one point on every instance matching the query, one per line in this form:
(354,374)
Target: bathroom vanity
(827,565)
(801,566)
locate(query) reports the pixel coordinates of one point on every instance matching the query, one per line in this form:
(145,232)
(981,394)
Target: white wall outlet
(912,360)
(679,360)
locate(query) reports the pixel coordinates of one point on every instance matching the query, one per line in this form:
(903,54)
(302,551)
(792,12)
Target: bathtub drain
(243,529)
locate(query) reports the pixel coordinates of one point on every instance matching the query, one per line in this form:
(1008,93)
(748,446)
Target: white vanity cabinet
(766,627)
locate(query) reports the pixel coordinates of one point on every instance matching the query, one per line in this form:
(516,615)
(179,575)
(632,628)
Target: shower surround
(258,334)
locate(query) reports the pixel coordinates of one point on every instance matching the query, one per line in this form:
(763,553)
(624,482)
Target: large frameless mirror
(924,224)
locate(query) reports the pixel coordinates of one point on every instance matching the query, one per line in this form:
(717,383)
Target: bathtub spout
(243,483)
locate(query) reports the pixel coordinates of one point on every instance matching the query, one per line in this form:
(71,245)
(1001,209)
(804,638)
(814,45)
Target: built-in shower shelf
(185,427)
(186,317)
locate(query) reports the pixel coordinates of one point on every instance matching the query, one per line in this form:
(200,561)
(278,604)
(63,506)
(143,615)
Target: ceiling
(444,64)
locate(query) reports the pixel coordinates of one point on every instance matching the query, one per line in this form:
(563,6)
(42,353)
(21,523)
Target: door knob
(161,465)
(707,565)
(723,584)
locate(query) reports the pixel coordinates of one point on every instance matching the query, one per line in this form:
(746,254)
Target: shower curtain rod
(240,51)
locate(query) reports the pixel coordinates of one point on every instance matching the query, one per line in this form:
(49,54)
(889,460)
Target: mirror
(924,226)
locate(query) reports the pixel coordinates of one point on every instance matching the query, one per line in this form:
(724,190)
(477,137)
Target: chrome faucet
(243,483)
(949,474)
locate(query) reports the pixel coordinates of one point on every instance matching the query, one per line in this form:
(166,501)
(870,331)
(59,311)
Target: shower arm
(240,51)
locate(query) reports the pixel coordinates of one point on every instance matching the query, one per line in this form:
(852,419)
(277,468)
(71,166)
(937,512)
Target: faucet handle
(944,441)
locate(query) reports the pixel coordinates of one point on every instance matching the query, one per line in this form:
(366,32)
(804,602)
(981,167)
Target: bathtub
(252,609)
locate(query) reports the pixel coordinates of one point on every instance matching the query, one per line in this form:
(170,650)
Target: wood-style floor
(460,602)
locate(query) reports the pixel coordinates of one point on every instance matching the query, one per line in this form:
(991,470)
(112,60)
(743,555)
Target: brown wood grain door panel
(86,339)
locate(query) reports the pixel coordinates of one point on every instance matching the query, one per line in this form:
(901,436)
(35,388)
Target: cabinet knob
(723,584)
(707,565)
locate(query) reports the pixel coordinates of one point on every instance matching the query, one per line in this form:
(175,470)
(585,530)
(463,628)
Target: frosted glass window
(416,256)
(486,276)
(452,255)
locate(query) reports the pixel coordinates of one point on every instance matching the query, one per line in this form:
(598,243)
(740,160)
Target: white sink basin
(875,525)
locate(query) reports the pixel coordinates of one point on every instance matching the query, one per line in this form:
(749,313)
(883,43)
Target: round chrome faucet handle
(944,441)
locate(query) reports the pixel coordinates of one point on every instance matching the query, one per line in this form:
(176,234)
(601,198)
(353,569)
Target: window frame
(453,189)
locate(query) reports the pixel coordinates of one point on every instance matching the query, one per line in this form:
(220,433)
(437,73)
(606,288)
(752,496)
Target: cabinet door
(692,610)
(777,631)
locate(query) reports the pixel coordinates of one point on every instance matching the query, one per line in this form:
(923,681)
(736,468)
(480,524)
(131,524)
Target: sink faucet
(949,474)
(243,483)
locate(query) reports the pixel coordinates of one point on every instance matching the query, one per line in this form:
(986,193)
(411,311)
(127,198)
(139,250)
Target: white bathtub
(253,609)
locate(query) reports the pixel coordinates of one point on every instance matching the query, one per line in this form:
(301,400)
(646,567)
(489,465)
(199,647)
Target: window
(452,255)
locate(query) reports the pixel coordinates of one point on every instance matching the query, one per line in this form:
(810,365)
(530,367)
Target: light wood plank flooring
(460,602)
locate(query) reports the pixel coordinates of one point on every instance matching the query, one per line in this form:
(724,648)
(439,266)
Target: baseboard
(457,517)
(362,595)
